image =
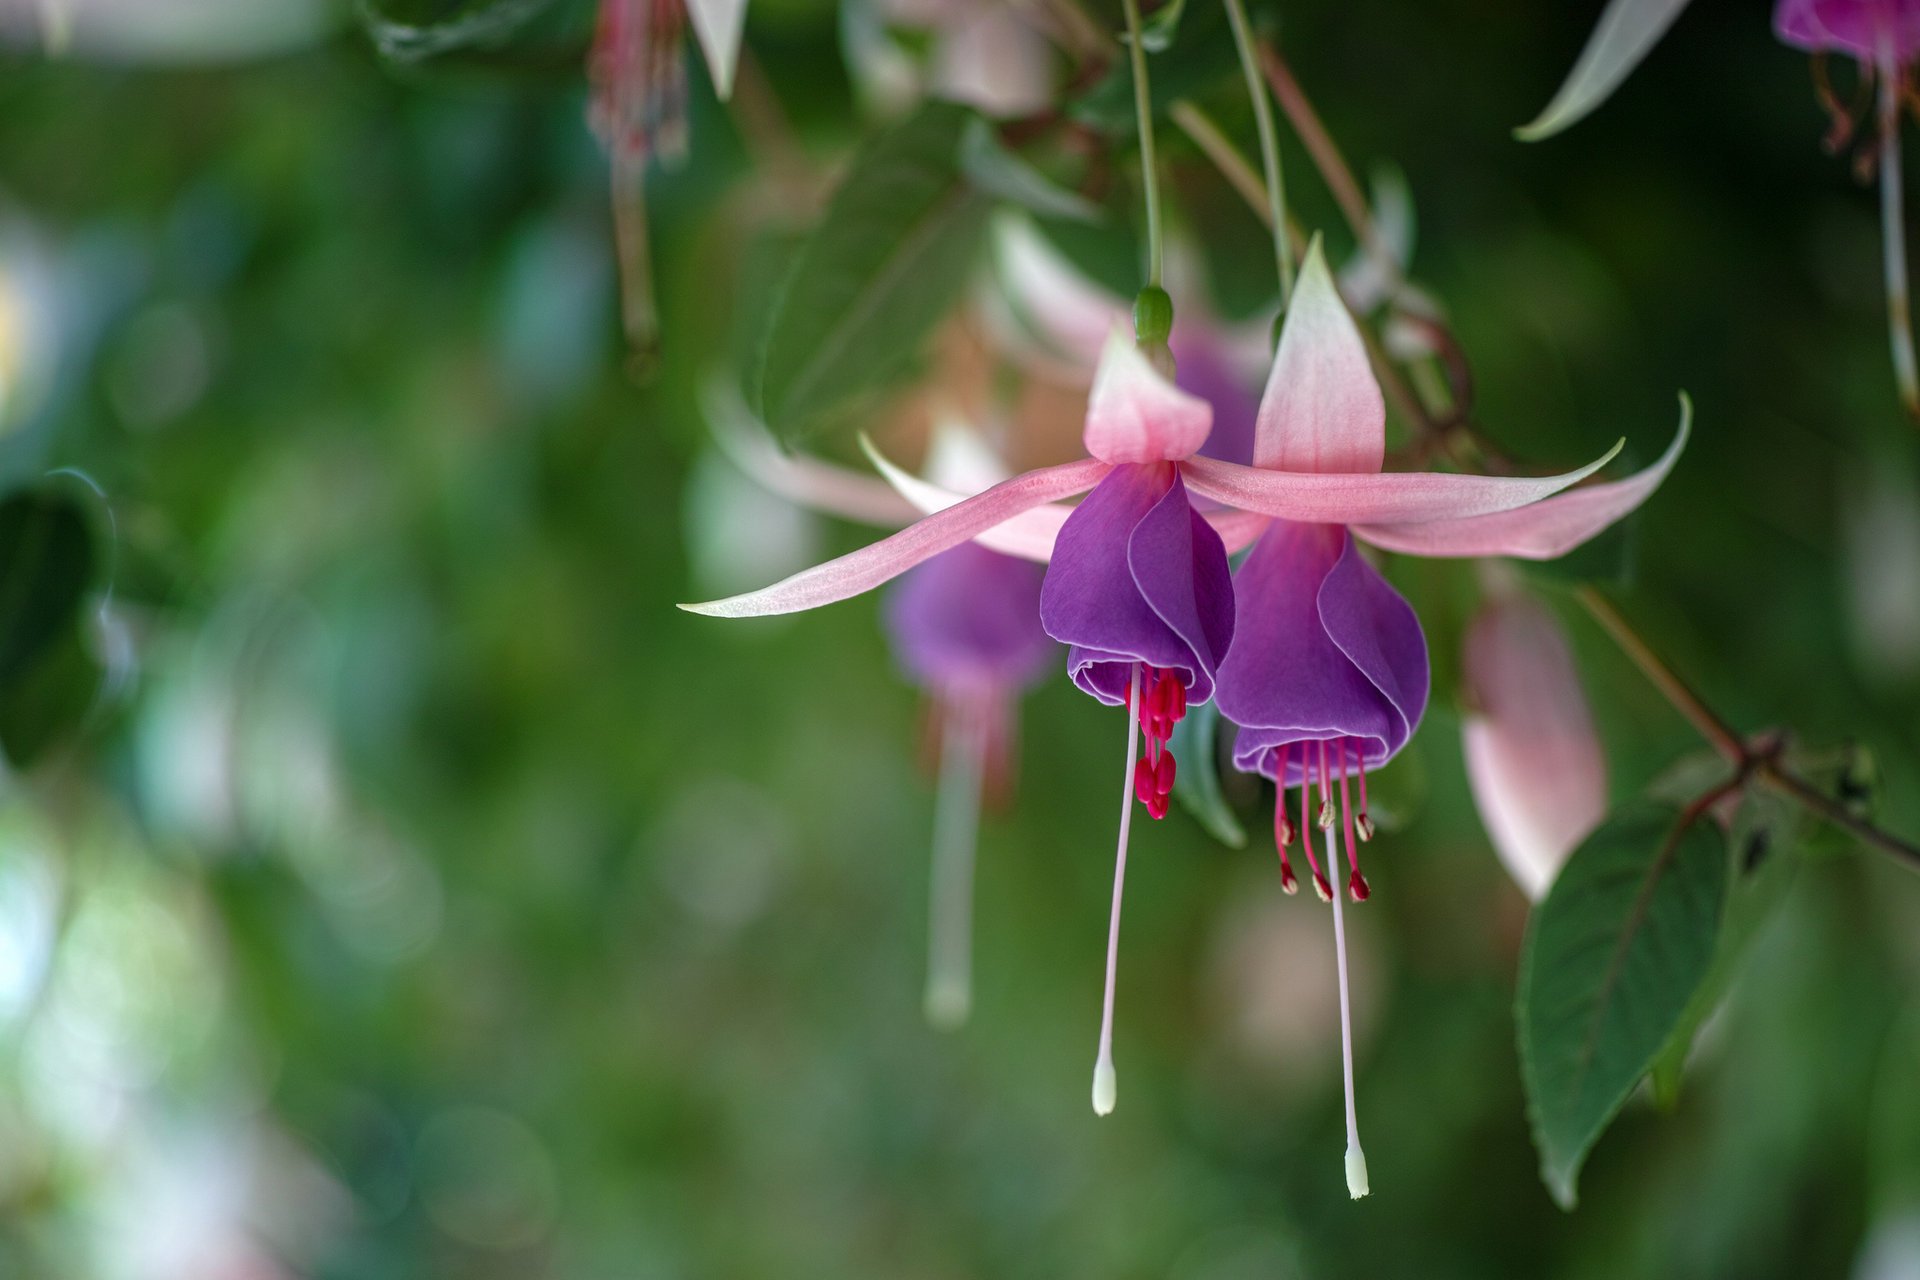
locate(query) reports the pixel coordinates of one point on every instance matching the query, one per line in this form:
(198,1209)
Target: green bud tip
(1152,316)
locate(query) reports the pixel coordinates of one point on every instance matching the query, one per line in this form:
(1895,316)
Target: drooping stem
(1718,733)
(1143,110)
(1332,166)
(956,827)
(1893,232)
(1105,1087)
(1219,149)
(1269,146)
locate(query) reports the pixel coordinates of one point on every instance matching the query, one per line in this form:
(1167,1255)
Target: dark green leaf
(408,30)
(1767,837)
(891,255)
(43,705)
(992,167)
(1612,959)
(1196,783)
(46,566)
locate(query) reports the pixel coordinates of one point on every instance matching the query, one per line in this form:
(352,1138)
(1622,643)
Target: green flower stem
(1262,100)
(1143,108)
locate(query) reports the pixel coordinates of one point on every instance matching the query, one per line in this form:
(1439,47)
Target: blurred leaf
(46,703)
(46,565)
(1767,838)
(1157,33)
(1201,54)
(1611,961)
(1109,252)
(889,258)
(1196,784)
(408,30)
(993,167)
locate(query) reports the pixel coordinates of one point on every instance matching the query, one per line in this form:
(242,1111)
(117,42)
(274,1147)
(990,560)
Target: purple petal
(1203,369)
(1138,576)
(1854,27)
(969,617)
(1324,649)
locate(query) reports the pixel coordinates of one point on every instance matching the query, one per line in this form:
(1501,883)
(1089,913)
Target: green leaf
(897,243)
(409,30)
(992,167)
(1768,834)
(1196,780)
(46,567)
(1612,960)
(44,705)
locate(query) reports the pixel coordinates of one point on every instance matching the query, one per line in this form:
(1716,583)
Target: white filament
(956,827)
(1356,1159)
(1105,1087)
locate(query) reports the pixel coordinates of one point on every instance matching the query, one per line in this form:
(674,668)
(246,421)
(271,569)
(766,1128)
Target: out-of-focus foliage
(413,892)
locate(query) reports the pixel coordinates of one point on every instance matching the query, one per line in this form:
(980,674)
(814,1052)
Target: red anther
(1163,774)
(1176,701)
(1289,883)
(1321,887)
(1283,831)
(1363,824)
(1357,887)
(1143,782)
(1157,807)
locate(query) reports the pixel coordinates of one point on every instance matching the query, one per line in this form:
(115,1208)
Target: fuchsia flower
(1137,582)
(1328,675)
(1538,772)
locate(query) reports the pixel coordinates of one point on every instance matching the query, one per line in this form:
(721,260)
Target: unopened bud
(1152,317)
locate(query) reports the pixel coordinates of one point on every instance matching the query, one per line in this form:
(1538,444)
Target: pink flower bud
(1538,772)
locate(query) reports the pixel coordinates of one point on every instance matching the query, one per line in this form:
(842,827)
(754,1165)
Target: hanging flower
(638,111)
(1137,582)
(1538,773)
(1328,676)
(964,627)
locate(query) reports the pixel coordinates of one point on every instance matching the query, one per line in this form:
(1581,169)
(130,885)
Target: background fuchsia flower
(1328,675)
(964,626)
(638,111)
(1538,772)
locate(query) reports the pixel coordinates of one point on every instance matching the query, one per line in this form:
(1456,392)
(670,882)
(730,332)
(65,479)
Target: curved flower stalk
(964,627)
(1328,675)
(1137,583)
(1535,764)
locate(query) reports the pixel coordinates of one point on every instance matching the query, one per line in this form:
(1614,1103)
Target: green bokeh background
(432,880)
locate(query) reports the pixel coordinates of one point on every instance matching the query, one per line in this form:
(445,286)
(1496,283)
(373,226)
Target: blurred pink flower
(1538,772)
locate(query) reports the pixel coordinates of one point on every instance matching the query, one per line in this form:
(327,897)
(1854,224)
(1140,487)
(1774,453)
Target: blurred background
(393,883)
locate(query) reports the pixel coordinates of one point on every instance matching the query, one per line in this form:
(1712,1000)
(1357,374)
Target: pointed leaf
(1626,32)
(891,255)
(1611,960)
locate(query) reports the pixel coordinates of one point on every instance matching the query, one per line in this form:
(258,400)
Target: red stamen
(1320,883)
(1282,837)
(1357,886)
(1362,823)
